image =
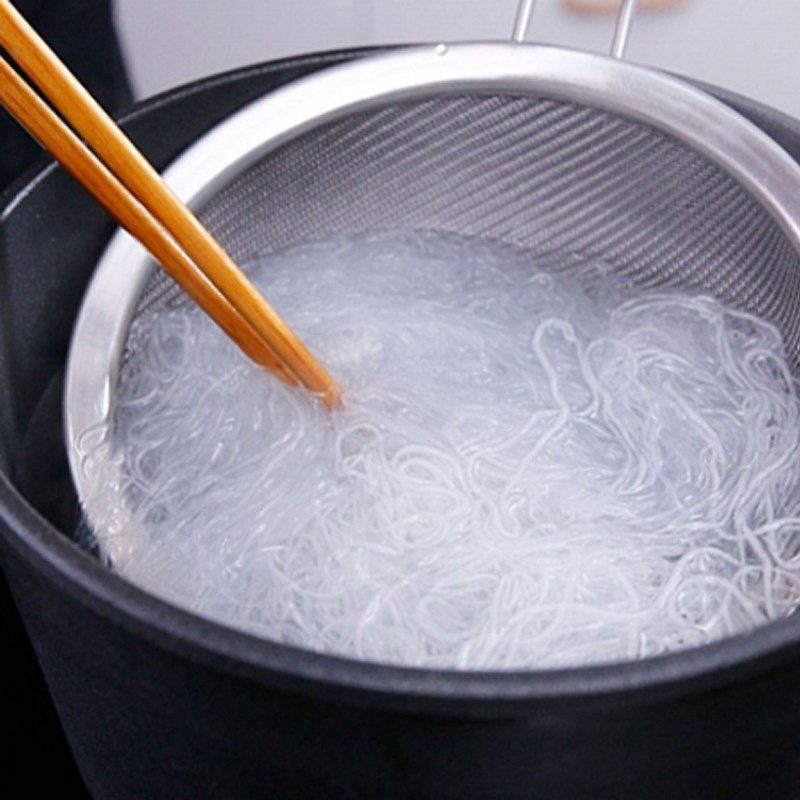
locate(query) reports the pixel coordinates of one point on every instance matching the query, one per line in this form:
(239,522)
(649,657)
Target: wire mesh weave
(538,173)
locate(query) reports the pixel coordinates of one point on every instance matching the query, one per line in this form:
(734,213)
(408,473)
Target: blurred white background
(750,46)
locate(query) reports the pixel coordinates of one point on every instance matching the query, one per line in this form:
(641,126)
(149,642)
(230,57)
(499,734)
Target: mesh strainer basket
(543,148)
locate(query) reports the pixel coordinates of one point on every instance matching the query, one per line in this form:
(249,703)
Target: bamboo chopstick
(252,318)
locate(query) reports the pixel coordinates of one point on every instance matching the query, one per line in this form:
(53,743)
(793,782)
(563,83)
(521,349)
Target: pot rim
(473,693)
(481,694)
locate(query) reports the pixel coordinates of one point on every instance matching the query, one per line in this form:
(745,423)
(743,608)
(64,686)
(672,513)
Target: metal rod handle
(523,20)
(627,12)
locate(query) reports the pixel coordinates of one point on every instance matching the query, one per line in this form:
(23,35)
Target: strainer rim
(184,176)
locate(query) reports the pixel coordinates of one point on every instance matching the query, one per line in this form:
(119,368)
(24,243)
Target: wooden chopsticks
(134,193)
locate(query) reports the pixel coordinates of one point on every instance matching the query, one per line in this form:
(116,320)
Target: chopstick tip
(332,396)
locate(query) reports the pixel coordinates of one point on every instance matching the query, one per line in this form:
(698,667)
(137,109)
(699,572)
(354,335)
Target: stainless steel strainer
(541,147)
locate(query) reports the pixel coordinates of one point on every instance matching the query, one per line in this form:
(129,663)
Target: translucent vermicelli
(533,467)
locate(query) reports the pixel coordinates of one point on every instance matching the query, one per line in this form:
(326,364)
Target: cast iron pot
(157,703)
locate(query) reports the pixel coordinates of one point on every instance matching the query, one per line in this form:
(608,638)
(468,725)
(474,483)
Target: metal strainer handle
(627,12)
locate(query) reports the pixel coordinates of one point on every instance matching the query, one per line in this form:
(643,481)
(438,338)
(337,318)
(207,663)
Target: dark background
(33,750)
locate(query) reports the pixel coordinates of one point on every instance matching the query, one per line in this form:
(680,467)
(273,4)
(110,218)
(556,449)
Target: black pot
(158,703)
